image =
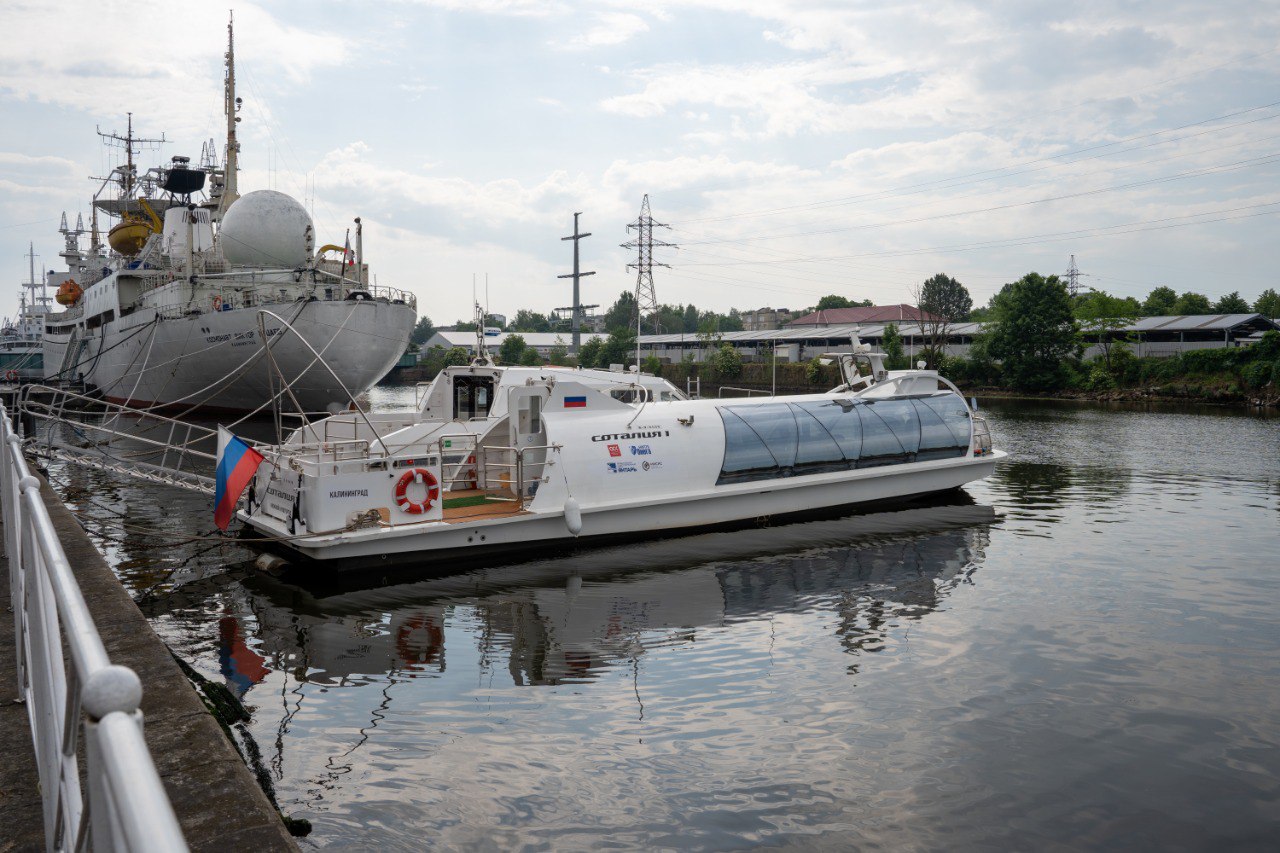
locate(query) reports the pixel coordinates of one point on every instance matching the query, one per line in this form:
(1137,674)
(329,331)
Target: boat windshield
(472,397)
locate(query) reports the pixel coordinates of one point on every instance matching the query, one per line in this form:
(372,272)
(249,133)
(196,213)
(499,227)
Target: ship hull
(215,361)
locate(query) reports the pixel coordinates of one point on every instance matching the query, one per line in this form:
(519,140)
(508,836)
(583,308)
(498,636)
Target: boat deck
(472,504)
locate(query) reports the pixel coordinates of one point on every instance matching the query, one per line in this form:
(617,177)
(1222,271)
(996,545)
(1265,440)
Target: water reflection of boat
(568,619)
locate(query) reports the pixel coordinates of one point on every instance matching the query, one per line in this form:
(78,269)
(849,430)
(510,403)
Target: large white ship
(173,310)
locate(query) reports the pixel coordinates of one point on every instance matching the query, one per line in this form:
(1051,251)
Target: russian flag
(575,402)
(237,463)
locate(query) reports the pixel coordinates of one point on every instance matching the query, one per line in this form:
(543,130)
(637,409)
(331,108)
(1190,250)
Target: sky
(796,148)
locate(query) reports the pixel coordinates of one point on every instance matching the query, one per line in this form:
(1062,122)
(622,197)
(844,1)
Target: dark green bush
(1257,374)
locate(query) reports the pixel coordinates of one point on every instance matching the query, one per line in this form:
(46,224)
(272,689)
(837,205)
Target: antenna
(646,298)
(129,172)
(231,106)
(576,322)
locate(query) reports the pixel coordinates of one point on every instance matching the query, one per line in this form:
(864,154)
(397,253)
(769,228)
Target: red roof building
(862,314)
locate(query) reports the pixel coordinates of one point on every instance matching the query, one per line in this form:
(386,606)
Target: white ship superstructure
(172,311)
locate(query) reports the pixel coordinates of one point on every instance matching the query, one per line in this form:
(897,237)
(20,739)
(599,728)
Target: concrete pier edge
(217,800)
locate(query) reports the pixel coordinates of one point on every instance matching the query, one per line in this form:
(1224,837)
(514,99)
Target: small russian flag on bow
(237,463)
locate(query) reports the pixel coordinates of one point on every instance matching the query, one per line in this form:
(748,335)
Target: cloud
(353,171)
(612,28)
(165,67)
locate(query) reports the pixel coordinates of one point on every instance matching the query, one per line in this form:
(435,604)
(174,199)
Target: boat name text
(630,436)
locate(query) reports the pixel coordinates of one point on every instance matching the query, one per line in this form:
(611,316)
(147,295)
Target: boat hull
(449,547)
(215,361)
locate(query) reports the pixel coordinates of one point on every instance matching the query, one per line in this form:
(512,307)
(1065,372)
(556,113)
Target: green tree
(456,357)
(1160,302)
(1108,317)
(464,326)
(589,352)
(690,319)
(725,362)
(1232,303)
(1192,303)
(1268,304)
(946,302)
(559,354)
(621,314)
(619,348)
(511,349)
(895,357)
(529,357)
(422,330)
(830,301)
(530,321)
(1034,332)
(651,364)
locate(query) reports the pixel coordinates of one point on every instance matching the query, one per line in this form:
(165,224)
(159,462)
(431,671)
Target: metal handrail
(126,807)
(749,391)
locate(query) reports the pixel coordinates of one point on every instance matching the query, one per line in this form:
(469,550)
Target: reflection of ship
(168,311)
(20,355)
(570,618)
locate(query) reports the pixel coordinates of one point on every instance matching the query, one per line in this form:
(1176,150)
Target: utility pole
(576,323)
(646,298)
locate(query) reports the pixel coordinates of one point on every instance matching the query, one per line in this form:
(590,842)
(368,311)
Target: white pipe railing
(126,807)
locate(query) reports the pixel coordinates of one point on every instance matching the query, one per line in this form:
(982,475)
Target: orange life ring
(417,475)
(217,303)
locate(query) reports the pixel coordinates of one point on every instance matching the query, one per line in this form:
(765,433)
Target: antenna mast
(129,172)
(576,323)
(646,298)
(231,106)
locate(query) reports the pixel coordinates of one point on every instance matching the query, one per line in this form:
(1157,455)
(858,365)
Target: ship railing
(747,391)
(339,457)
(85,706)
(342,428)
(93,433)
(511,467)
(982,443)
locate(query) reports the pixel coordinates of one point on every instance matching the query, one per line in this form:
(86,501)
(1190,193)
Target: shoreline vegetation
(1033,347)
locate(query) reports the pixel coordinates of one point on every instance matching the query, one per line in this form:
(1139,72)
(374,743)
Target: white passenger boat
(167,312)
(510,458)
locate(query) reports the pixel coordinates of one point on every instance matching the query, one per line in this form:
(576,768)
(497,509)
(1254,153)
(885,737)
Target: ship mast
(231,106)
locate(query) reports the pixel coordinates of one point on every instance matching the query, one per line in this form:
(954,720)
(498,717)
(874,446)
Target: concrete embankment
(218,803)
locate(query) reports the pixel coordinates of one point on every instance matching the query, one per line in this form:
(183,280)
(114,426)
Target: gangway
(137,443)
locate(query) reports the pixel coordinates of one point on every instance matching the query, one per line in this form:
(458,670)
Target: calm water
(1080,652)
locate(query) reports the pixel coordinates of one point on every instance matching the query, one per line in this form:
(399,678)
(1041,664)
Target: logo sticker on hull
(615,450)
(622,467)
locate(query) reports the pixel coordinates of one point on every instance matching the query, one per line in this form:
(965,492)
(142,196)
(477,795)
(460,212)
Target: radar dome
(265,228)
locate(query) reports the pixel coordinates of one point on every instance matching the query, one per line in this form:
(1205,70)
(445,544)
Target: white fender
(573,516)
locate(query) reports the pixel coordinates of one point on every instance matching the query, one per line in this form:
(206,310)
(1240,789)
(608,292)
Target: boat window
(776,426)
(890,431)
(954,412)
(841,421)
(745,455)
(817,450)
(944,427)
(472,397)
(785,439)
